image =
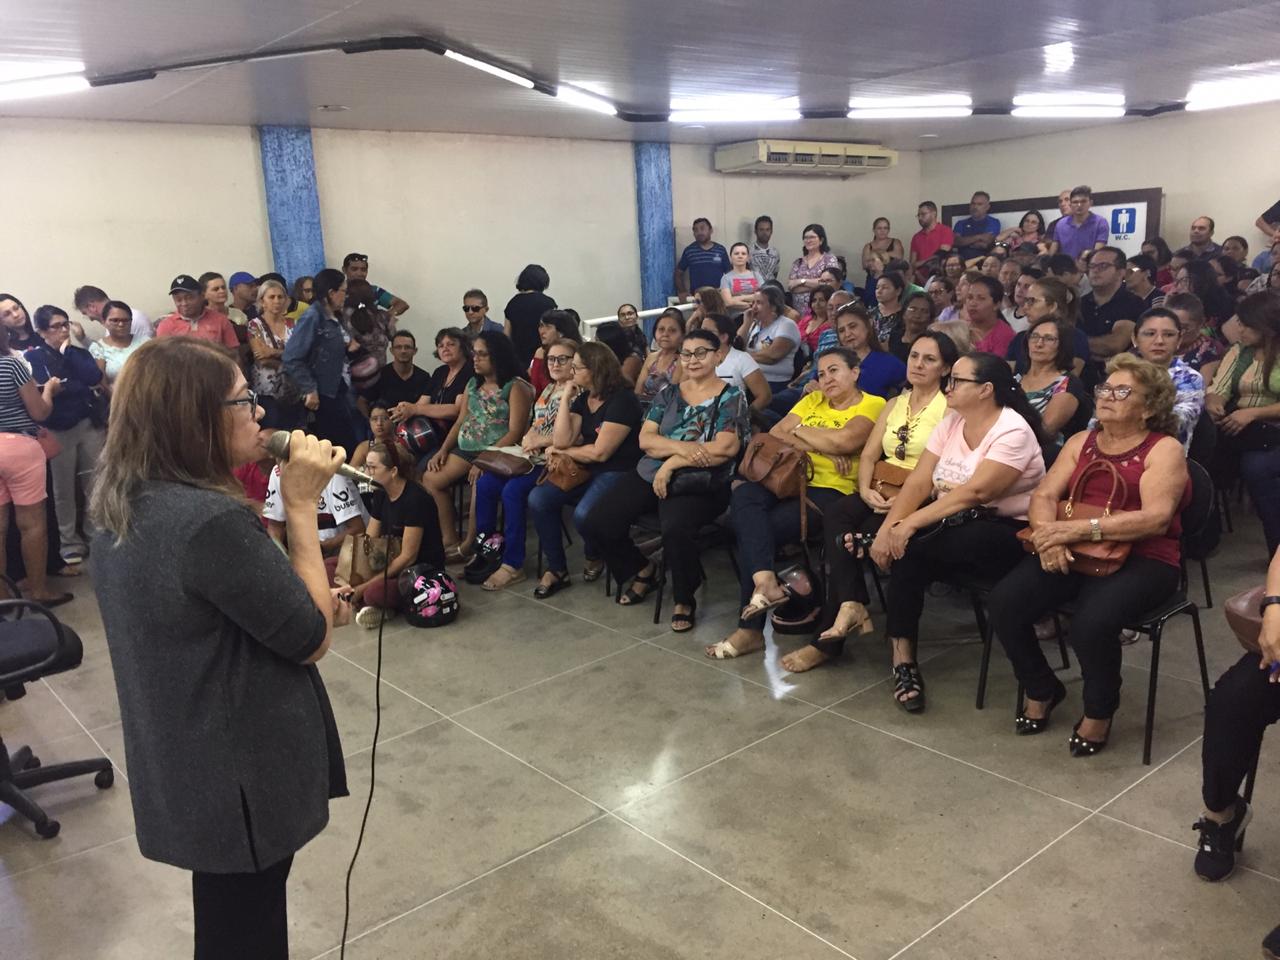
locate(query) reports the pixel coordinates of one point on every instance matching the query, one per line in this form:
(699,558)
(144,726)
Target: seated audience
(705,300)
(77,422)
(340,513)
(991,332)
(22,470)
(1052,389)
(1140,280)
(830,426)
(493,412)
(942,291)
(662,366)
(1244,402)
(1050,298)
(690,437)
(953,267)
(1015,314)
(816,321)
(736,366)
(1158,250)
(770,336)
(876,266)
(1134,430)
(1197,277)
(501,568)
(400,508)
(1030,229)
(301,293)
(637,342)
(1064,268)
(887,315)
(475,313)
(957,331)
(738,285)
(988,265)
(917,314)
(269,331)
(440,398)
(879,372)
(966,497)
(315,358)
(554,326)
(1156,339)
(597,427)
(891,451)
(381,430)
(114,349)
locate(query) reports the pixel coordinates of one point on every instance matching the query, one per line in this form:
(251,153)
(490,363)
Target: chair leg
(1204,576)
(985,629)
(10,794)
(24,779)
(875,579)
(1156,630)
(660,571)
(1204,667)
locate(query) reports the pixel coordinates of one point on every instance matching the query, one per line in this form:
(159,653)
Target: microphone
(278,447)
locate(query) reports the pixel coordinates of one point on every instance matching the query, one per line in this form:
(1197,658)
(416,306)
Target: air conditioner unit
(803,156)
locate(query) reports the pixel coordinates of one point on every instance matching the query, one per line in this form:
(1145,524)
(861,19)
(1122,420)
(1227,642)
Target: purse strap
(1118,485)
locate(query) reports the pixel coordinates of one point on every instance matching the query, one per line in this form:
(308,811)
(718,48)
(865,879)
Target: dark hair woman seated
(965,499)
(830,426)
(691,438)
(1135,434)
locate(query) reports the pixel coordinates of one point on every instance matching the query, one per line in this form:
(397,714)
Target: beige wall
(439,213)
(846,207)
(126,206)
(1221,163)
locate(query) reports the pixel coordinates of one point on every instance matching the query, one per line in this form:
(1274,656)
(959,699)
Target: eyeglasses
(699,354)
(466,309)
(1041,338)
(250,400)
(952,380)
(60,325)
(1026,301)
(577,367)
(1149,334)
(1101,264)
(559,361)
(480,354)
(903,434)
(1107,391)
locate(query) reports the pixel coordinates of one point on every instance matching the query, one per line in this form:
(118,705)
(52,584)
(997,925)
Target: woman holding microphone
(213,633)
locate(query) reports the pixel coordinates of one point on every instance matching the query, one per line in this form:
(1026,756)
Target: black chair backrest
(1204,438)
(1201,524)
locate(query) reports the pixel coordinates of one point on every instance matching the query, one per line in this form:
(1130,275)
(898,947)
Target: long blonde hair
(169,422)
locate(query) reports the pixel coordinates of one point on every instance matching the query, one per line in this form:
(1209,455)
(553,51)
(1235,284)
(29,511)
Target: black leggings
(242,916)
(847,581)
(608,527)
(1243,704)
(1103,606)
(985,548)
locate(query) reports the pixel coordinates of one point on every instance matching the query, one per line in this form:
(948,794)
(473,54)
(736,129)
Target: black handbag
(688,480)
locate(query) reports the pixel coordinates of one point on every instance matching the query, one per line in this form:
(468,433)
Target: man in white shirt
(341,513)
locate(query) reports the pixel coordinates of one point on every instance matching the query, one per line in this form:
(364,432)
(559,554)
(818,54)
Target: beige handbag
(362,557)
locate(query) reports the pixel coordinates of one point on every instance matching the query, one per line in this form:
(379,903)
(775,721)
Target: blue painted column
(656,222)
(293,202)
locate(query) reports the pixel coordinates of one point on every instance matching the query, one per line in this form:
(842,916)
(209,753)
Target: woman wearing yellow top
(831,424)
(1244,401)
(898,439)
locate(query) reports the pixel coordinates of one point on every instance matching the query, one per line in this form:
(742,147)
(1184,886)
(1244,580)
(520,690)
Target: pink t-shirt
(1009,441)
(997,339)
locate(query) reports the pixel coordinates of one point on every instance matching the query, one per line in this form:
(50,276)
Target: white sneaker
(371,617)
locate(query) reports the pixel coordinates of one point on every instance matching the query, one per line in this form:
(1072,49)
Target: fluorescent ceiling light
(1080,111)
(30,69)
(42,87)
(1059,57)
(1069,100)
(1216,94)
(743,109)
(895,108)
(490,69)
(587,101)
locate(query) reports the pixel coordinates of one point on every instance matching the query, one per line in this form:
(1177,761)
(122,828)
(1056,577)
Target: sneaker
(1219,843)
(371,617)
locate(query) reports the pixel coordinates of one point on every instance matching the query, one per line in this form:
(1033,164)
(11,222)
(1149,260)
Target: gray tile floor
(566,779)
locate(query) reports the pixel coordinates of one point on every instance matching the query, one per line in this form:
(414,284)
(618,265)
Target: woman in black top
(213,633)
(443,399)
(525,309)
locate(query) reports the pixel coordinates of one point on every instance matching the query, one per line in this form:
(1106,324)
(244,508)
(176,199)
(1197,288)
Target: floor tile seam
(711,763)
(548,679)
(710,664)
(885,679)
(390,685)
(543,605)
(383,741)
(382,924)
(85,730)
(967,763)
(1154,770)
(64,859)
(732,886)
(1191,847)
(982,893)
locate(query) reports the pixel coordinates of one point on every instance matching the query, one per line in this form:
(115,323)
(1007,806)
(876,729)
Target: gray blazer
(231,744)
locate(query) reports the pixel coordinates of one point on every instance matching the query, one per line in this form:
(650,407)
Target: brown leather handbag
(887,478)
(1244,617)
(564,472)
(1103,557)
(502,464)
(782,470)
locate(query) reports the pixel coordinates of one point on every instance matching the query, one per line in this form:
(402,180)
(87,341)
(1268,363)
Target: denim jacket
(316,353)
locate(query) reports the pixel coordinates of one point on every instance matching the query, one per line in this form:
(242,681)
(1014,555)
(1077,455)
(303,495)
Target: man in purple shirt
(1082,230)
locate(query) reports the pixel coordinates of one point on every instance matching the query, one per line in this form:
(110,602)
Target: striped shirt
(13,412)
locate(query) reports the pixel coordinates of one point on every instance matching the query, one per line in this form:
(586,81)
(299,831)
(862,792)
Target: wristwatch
(1095,529)
(1266,602)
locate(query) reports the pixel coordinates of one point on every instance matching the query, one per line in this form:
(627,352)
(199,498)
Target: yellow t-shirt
(814,410)
(917,435)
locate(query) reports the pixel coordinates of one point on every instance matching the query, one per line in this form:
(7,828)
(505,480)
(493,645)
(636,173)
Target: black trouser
(1243,704)
(334,420)
(1103,606)
(242,916)
(847,581)
(607,526)
(986,547)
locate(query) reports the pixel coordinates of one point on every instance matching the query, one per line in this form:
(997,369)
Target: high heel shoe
(1025,726)
(859,620)
(1080,747)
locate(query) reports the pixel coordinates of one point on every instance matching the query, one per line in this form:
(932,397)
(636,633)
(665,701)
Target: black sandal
(684,622)
(631,597)
(907,679)
(561,582)
(1025,726)
(1080,747)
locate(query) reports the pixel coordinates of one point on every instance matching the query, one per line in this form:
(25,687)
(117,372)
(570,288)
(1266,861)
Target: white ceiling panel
(640,55)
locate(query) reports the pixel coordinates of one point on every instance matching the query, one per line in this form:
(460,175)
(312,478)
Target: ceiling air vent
(803,156)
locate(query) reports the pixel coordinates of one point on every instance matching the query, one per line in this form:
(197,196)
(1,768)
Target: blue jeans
(514,494)
(1260,470)
(547,501)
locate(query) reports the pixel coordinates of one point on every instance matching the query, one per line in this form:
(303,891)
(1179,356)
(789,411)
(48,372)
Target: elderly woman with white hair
(268,333)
